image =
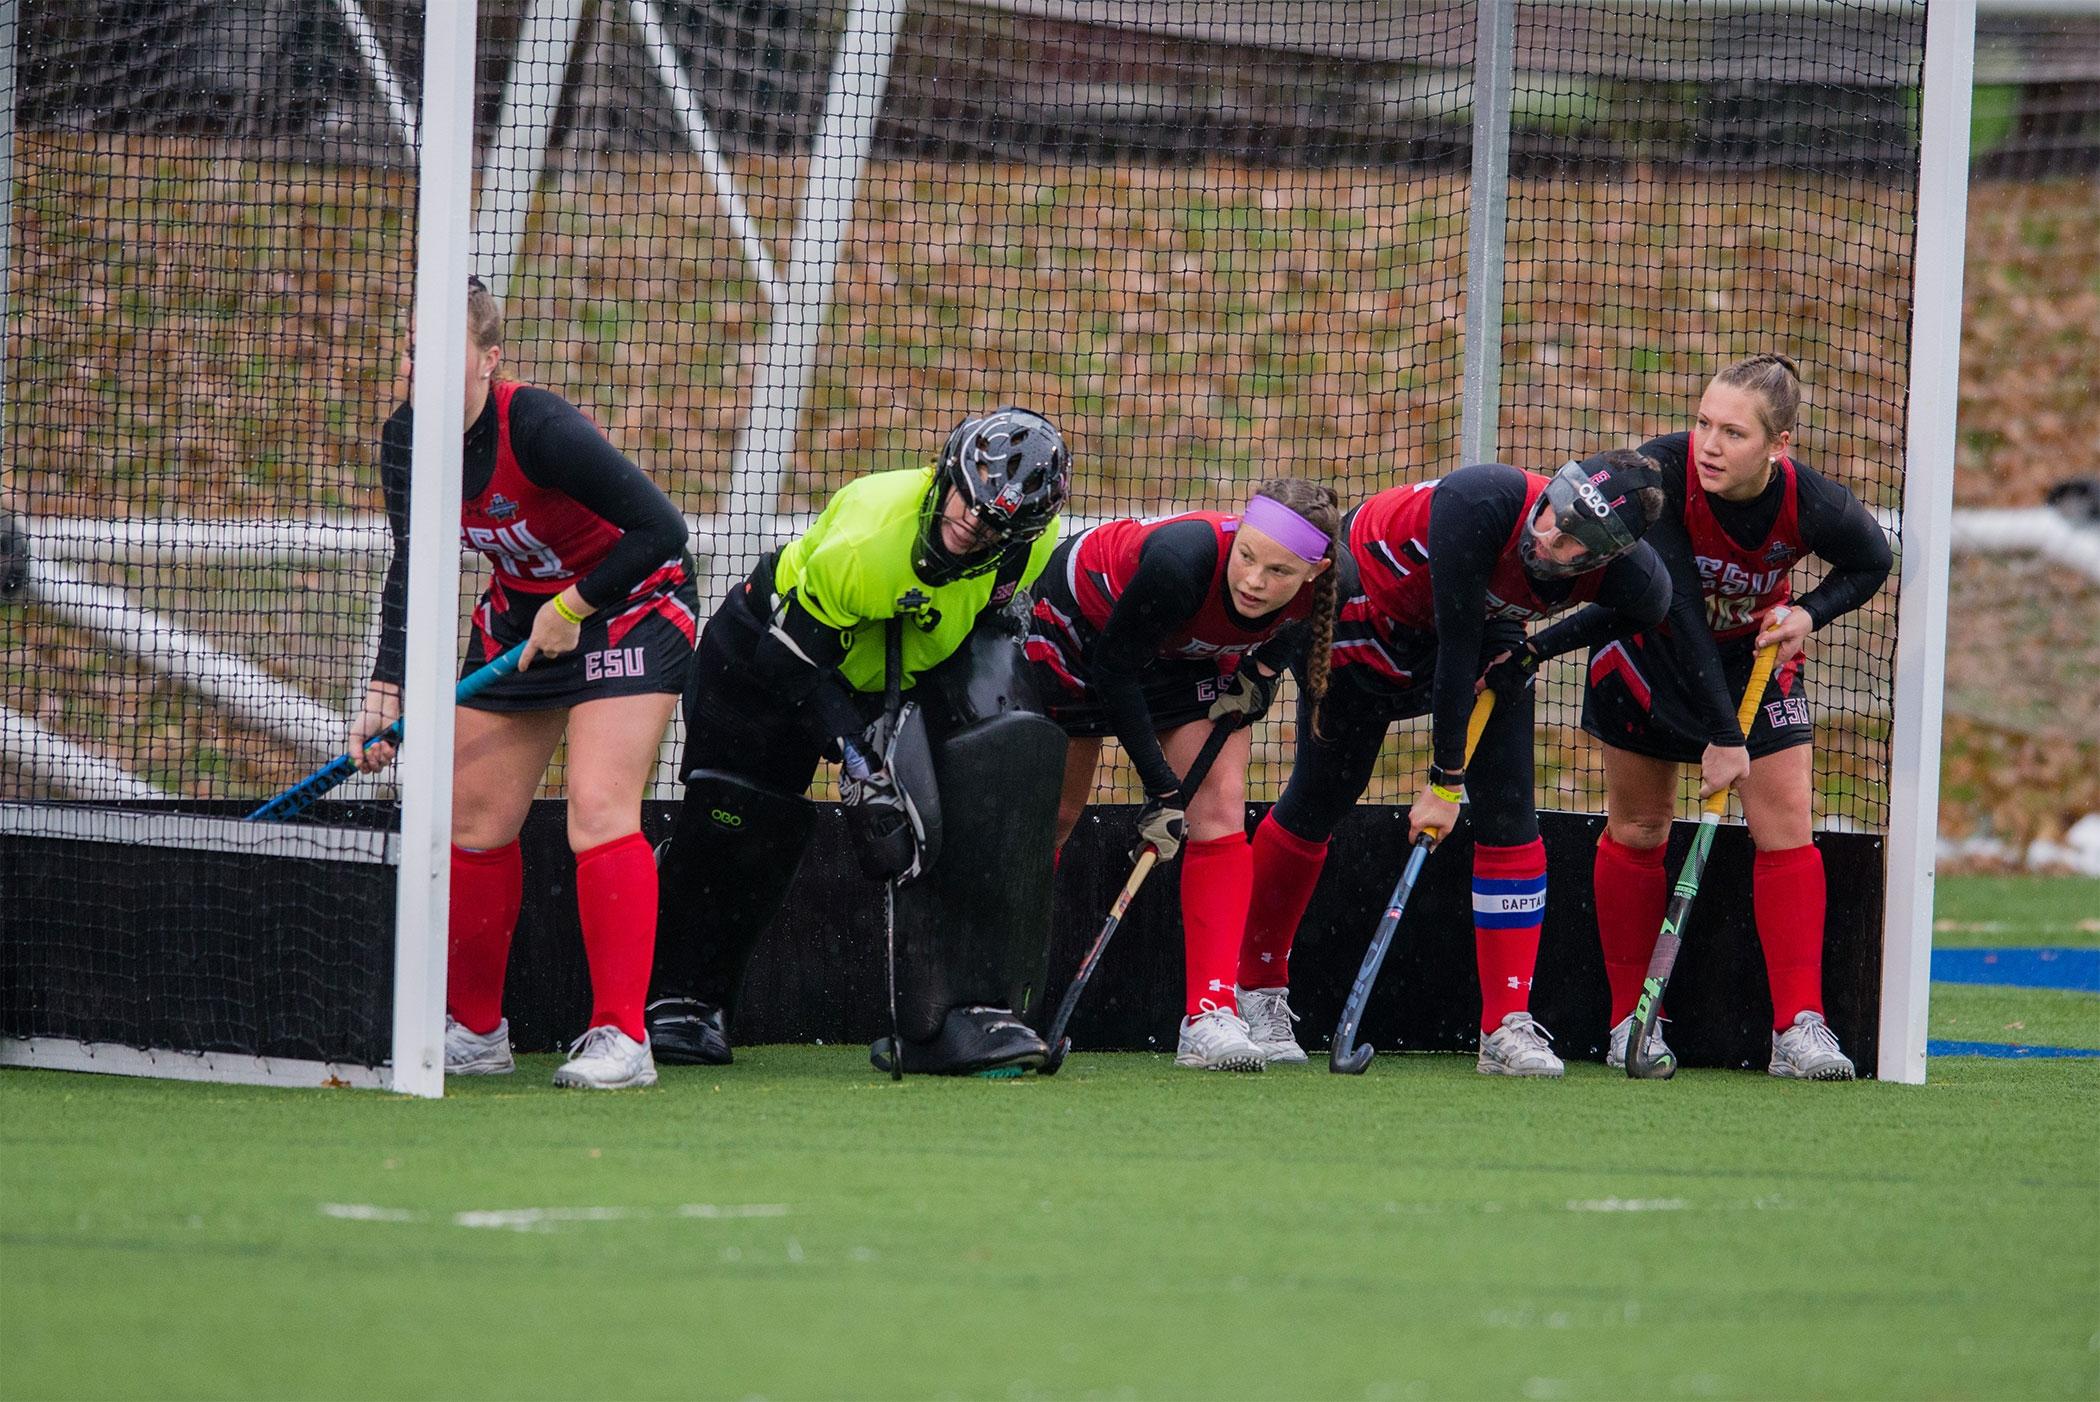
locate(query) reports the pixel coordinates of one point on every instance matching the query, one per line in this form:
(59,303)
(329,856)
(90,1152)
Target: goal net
(771,247)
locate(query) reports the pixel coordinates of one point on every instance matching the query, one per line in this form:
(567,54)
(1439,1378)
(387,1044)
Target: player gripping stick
(792,666)
(590,571)
(1739,513)
(1439,579)
(1153,631)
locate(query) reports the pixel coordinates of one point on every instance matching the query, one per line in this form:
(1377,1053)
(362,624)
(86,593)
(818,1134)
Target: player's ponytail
(1776,383)
(1322,508)
(484,316)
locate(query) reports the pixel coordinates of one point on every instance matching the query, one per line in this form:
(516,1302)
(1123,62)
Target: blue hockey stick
(301,796)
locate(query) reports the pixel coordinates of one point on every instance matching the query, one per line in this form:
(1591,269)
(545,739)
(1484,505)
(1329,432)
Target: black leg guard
(722,878)
(974,933)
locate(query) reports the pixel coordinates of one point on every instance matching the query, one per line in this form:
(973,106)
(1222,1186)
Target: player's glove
(1246,697)
(879,821)
(1163,824)
(1515,674)
(879,817)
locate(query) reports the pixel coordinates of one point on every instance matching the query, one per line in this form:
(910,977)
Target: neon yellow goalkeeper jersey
(852,570)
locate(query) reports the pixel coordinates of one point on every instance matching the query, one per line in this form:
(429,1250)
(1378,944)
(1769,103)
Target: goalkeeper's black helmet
(1012,471)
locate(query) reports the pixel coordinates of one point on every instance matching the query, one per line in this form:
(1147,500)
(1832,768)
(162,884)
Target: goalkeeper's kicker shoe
(1216,1039)
(475,1053)
(1808,1051)
(973,1041)
(605,1058)
(1622,1033)
(688,1032)
(1269,1018)
(1518,1047)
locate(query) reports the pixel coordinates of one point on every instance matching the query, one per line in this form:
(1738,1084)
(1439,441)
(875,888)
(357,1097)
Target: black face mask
(1582,512)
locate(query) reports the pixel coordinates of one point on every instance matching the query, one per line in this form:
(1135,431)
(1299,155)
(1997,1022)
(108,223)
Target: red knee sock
(1286,869)
(1216,877)
(1632,891)
(1787,891)
(1509,906)
(616,895)
(487,888)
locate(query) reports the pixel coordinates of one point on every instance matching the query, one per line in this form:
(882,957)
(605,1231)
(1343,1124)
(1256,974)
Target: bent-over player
(590,571)
(1441,578)
(1739,513)
(793,663)
(1153,631)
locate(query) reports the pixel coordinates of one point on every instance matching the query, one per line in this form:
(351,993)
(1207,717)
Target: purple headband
(1287,528)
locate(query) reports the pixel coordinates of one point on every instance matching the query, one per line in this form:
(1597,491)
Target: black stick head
(1352,1062)
(1638,1068)
(1056,1058)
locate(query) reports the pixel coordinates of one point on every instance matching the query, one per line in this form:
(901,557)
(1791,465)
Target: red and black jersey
(539,539)
(1740,582)
(553,505)
(1104,560)
(1389,537)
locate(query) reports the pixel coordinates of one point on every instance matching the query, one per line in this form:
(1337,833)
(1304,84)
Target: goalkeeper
(792,668)
(1440,578)
(1739,512)
(1152,630)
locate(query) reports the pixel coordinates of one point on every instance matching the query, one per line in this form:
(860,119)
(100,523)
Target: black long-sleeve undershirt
(558,448)
(1171,584)
(1835,528)
(1471,519)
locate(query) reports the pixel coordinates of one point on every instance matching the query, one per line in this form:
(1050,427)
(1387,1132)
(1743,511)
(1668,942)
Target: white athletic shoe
(1518,1048)
(1808,1051)
(1269,1018)
(1216,1040)
(1622,1033)
(605,1058)
(473,1054)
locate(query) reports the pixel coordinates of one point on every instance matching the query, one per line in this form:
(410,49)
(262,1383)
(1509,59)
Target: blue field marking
(2004,1049)
(2075,969)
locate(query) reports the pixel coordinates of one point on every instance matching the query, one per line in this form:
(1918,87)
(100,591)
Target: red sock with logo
(1788,892)
(487,888)
(1216,877)
(616,896)
(1632,892)
(1286,868)
(1509,907)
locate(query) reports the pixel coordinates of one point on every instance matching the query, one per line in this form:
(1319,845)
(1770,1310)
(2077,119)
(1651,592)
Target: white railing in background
(61,545)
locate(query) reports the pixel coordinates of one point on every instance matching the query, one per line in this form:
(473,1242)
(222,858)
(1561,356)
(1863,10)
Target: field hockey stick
(301,796)
(1649,1008)
(1148,858)
(1347,1058)
(893,707)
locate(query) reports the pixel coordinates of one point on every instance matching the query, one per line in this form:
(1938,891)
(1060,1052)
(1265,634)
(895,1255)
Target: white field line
(545,1219)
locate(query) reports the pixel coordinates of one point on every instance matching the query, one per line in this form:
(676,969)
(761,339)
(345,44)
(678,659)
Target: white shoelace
(1219,1019)
(1819,1037)
(598,1041)
(1532,1035)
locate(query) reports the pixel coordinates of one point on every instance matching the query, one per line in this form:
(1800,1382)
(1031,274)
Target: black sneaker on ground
(688,1032)
(972,1042)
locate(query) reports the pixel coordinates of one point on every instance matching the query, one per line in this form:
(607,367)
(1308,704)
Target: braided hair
(1319,505)
(1775,381)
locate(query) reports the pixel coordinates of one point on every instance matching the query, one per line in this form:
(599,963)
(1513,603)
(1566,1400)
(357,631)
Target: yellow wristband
(1447,795)
(566,612)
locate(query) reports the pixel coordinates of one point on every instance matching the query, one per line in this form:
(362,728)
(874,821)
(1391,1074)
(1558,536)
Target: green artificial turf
(2035,1017)
(2016,910)
(796,1226)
